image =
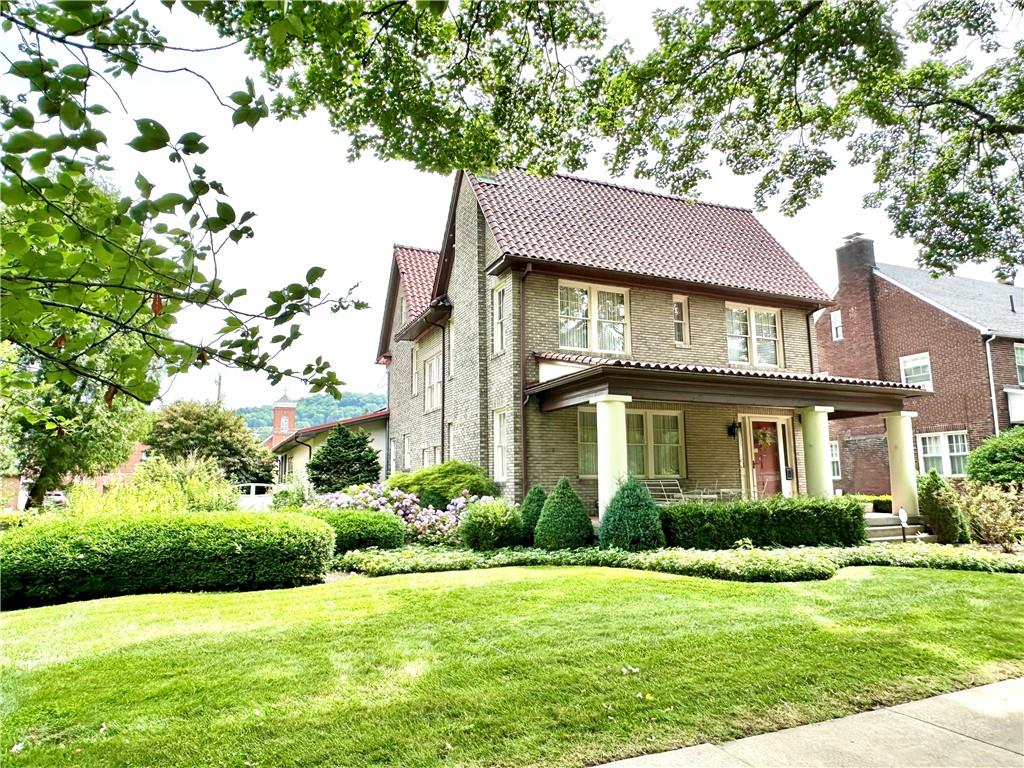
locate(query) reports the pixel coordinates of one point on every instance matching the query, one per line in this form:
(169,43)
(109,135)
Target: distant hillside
(315,409)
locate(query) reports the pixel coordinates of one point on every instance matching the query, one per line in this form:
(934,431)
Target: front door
(767,467)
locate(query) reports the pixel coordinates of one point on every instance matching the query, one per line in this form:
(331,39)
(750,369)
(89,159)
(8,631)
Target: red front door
(767,474)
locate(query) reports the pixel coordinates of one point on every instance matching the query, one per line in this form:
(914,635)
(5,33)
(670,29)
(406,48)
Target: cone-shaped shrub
(564,522)
(532,505)
(631,520)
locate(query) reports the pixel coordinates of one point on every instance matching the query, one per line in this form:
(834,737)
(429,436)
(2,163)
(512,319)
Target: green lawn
(514,666)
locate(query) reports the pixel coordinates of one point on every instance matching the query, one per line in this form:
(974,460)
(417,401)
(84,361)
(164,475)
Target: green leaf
(153,130)
(314,274)
(279,31)
(241,98)
(167,203)
(225,211)
(77,71)
(71,115)
(143,185)
(22,117)
(41,229)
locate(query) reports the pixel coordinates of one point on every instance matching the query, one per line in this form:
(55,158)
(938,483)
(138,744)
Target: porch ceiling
(675,382)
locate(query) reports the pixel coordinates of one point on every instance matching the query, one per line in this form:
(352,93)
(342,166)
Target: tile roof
(984,304)
(594,224)
(564,357)
(416,267)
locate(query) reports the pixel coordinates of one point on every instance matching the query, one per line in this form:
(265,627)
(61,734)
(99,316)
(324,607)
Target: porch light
(733,429)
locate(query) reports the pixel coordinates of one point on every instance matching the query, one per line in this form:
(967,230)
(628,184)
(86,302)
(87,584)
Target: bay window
(593,318)
(753,335)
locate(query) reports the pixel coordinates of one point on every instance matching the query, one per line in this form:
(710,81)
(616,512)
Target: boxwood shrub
(437,485)
(490,525)
(530,510)
(564,522)
(78,558)
(359,528)
(631,521)
(777,521)
(941,507)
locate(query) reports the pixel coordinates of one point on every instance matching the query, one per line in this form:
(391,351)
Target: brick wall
(882,322)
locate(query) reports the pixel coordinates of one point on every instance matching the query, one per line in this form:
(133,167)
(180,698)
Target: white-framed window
(500,437)
(945,452)
(655,445)
(285,421)
(753,335)
(917,369)
(681,320)
(498,296)
(425,457)
(833,451)
(414,363)
(836,319)
(437,454)
(593,317)
(432,384)
(406,452)
(393,450)
(1018,358)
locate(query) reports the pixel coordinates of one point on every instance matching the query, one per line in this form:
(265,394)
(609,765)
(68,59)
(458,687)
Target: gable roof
(416,266)
(596,225)
(982,304)
(292,439)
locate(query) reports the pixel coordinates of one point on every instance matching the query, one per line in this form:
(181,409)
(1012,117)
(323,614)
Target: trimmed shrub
(803,521)
(563,522)
(491,524)
(940,505)
(436,486)
(996,515)
(346,458)
(358,529)
(79,558)
(879,504)
(530,510)
(631,521)
(999,460)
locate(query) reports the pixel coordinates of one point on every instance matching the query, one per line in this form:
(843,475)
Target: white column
(899,435)
(817,457)
(612,465)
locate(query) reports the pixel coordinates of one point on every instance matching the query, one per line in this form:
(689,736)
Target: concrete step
(883,531)
(927,538)
(873,519)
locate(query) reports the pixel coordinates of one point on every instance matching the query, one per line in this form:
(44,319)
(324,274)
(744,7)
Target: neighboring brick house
(575,328)
(962,339)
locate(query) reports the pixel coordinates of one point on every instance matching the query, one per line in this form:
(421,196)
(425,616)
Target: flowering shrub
(426,525)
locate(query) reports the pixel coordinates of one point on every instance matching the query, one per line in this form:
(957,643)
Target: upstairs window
(681,320)
(414,363)
(917,369)
(836,319)
(753,335)
(1018,354)
(432,384)
(593,318)
(498,318)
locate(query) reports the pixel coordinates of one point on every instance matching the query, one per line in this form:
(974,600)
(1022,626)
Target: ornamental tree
(189,428)
(346,458)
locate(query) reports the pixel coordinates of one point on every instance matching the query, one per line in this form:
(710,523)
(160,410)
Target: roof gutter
(992,382)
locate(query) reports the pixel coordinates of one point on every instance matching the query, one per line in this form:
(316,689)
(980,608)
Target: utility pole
(219,380)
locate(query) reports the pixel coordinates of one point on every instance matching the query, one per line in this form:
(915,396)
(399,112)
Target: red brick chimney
(853,350)
(284,421)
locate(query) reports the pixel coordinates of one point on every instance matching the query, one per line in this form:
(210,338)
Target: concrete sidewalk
(978,727)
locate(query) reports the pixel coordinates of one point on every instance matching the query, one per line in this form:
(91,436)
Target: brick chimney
(856,352)
(284,421)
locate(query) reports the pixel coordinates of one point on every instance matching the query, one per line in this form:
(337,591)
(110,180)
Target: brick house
(576,328)
(962,339)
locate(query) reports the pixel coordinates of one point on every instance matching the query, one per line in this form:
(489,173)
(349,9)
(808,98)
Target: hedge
(752,565)
(437,485)
(359,528)
(490,525)
(777,521)
(79,558)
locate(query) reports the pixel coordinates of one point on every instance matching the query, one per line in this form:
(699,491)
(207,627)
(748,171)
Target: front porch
(719,433)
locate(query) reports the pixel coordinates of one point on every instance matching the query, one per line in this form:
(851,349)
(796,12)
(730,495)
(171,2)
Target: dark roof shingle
(597,225)
(416,266)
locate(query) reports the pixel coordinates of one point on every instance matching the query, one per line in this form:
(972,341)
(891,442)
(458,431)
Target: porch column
(817,457)
(899,435)
(612,465)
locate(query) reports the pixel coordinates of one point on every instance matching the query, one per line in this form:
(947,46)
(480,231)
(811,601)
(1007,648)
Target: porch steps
(886,528)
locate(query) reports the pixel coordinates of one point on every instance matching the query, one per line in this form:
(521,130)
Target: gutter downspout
(310,447)
(523,400)
(992,382)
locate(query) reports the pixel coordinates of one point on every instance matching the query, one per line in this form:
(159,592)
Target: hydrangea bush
(426,525)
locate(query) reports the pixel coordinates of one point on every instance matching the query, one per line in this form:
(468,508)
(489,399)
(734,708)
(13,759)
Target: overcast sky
(315,208)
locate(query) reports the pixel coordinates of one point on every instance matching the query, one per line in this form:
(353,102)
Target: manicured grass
(503,667)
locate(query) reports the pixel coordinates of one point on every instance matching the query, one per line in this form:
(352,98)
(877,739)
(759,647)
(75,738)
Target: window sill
(432,410)
(683,345)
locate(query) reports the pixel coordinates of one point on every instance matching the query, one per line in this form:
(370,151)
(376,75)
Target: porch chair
(664,491)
